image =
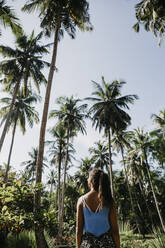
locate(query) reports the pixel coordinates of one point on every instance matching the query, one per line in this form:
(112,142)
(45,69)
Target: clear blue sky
(112,50)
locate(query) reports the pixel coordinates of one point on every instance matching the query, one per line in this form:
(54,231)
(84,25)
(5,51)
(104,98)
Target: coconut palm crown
(107,112)
(8,18)
(68,14)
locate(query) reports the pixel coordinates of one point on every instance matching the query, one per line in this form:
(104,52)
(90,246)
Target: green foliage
(24,239)
(17,207)
(8,18)
(151,15)
(130,240)
(65,15)
(17,213)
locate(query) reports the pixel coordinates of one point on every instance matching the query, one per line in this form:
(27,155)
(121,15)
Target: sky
(112,50)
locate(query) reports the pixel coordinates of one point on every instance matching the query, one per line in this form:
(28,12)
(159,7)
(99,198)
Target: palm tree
(30,165)
(160,121)
(56,17)
(51,181)
(8,18)
(107,112)
(120,141)
(158,148)
(82,174)
(158,138)
(23,113)
(100,155)
(57,150)
(71,115)
(142,143)
(23,63)
(151,14)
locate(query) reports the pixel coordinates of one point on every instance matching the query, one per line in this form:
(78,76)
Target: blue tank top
(96,222)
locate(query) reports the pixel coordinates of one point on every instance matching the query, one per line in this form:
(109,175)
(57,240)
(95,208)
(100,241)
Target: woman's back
(96,217)
(92,200)
(96,214)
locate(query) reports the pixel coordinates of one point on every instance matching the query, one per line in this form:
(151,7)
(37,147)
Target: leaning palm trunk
(10,152)
(110,163)
(16,89)
(129,191)
(39,230)
(63,190)
(153,192)
(144,197)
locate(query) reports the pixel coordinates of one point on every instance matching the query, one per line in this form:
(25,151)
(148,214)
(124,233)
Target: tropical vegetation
(38,202)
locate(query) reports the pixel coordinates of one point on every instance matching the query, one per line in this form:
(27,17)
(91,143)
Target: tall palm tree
(120,141)
(100,155)
(23,113)
(8,18)
(71,115)
(108,111)
(57,150)
(57,17)
(142,143)
(23,63)
(30,165)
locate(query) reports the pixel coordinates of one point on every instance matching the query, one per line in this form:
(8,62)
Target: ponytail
(101,184)
(100,189)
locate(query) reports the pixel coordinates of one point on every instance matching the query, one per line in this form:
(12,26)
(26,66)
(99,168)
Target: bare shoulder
(80,201)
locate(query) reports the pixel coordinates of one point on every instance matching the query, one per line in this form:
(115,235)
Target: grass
(130,240)
(26,239)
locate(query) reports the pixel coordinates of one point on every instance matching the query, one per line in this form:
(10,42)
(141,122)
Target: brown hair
(101,184)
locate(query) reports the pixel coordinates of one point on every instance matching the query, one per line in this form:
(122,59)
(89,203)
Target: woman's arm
(114,226)
(79,223)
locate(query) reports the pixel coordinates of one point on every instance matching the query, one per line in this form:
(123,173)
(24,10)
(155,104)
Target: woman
(96,214)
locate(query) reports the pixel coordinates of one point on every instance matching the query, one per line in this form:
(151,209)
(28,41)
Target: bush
(25,239)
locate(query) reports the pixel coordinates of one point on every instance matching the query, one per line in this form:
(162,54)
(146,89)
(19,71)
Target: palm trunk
(144,197)
(129,191)
(39,230)
(63,189)
(56,199)
(16,89)
(10,152)
(139,208)
(59,183)
(26,80)
(51,191)
(153,192)
(110,163)
(142,190)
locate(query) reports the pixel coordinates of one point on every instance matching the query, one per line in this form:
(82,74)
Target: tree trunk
(139,208)
(141,183)
(51,191)
(110,163)
(39,230)
(10,152)
(153,192)
(129,191)
(59,183)
(26,79)
(63,190)
(16,89)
